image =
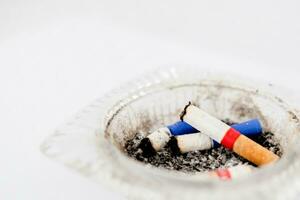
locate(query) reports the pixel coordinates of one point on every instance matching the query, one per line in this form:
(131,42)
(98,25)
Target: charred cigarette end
(147,148)
(183,113)
(173,144)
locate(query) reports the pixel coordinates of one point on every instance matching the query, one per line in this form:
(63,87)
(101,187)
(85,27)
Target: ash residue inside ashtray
(198,161)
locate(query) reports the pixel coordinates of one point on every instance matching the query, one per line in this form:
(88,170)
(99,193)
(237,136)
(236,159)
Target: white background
(57,56)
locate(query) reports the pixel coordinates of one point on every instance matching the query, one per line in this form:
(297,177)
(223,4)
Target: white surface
(57,56)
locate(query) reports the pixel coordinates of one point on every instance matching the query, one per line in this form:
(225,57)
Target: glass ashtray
(93,141)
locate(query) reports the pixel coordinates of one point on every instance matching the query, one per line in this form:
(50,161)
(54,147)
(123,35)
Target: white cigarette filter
(159,138)
(190,142)
(232,173)
(155,141)
(227,136)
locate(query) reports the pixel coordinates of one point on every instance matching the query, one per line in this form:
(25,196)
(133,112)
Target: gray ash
(198,161)
(267,139)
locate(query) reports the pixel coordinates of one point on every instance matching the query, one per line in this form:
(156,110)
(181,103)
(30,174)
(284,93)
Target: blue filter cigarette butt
(181,128)
(186,138)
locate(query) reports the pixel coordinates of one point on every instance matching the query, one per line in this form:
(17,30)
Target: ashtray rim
(108,106)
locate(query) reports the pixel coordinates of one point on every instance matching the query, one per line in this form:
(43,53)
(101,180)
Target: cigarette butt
(155,142)
(191,142)
(227,136)
(232,172)
(250,128)
(159,138)
(194,142)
